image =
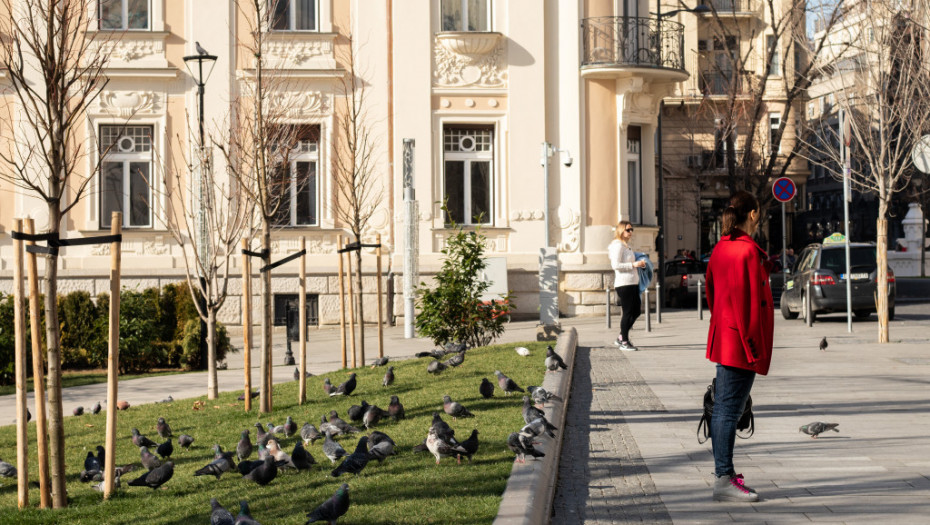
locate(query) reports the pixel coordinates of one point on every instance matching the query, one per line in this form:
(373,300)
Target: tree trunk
(881,255)
(56,452)
(361,303)
(212,390)
(265,402)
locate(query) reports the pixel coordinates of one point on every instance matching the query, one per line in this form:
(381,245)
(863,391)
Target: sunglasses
(629,230)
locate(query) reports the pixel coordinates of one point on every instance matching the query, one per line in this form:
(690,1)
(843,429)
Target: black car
(824,267)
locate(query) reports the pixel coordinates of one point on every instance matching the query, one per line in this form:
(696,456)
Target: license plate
(855,276)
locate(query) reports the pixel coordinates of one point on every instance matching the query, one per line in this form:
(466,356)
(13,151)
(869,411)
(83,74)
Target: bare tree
(881,83)
(359,192)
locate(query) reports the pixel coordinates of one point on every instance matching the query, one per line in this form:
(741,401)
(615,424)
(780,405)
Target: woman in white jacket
(626,281)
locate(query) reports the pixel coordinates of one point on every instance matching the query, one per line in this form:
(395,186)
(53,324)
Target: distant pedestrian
(626,281)
(740,335)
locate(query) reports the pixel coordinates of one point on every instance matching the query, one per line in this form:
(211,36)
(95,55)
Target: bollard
(700,304)
(646,302)
(607,312)
(807,306)
(658,302)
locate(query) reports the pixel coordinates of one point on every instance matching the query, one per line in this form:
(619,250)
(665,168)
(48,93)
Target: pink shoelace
(737,481)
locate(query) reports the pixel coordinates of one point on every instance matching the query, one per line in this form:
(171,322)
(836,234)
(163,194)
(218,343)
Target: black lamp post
(195,66)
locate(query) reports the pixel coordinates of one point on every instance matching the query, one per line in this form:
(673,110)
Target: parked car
(824,267)
(681,281)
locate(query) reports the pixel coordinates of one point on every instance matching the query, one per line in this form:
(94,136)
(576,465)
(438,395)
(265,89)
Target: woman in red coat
(740,335)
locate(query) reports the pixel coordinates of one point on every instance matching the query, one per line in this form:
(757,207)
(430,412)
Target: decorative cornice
(126,104)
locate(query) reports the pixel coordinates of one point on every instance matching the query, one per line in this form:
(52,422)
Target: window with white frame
(294,15)
(774,124)
(771,47)
(126,174)
(634,174)
(124,15)
(295,188)
(466,15)
(468,161)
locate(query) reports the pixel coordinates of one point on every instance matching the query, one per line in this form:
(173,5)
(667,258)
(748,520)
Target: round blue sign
(784,189)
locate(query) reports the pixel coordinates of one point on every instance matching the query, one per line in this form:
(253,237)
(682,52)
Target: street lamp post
(548,255)
(195,66)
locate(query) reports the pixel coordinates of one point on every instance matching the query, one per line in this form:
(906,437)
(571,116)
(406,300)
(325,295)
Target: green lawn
(407,488)
(86,377)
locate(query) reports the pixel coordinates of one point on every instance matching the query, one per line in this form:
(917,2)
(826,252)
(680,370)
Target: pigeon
(470,445)
(282,458)
(252,395)
(297,373)
(554,361)
(521,446)
(380,446)
(97,462)
(441,448)
(141,441)
(451,348)
(395,409)
(506,384)
(275,429)
(301,458)
(381,361)
(262,451)
(327,427)
(541,395)
(78,411)
(309,434)
(333,508)
(486,388)
(332,450)
(456,359)
(244,467)
(264,473)
(185,441)
(290,428)
(200,50)
(99,486)
(245,517)
(222,462)
(219,515)
(377,437)
(454,408)
(443,430)
(536,427)
(373,415)
(97,408)
(388,377)
(823,344)
(244,447)
(165,449)
(335,420)
(149,460)
(7,470)
(531,413)
(436,353)
(261,437)
(818,427)
(435,367)
(162,428)
(327,386)
(421,447)
(354,462)
(154,478)
(356,412)
(168,399)
(87,476)
(346,388)
(522,350)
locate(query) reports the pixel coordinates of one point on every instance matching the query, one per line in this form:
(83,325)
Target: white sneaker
(627,346)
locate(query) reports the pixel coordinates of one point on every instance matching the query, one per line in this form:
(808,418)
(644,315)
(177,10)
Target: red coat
(740,300)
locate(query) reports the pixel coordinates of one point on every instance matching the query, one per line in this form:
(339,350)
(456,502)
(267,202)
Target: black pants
(628,297)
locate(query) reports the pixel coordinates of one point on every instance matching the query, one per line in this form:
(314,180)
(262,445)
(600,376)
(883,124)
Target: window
(466,15)
(468,159)
(125,175)
(774,142)
(123,15)
(285,302)
(634,174)
(294,15)
(295,191)
(720,143)
(775,64)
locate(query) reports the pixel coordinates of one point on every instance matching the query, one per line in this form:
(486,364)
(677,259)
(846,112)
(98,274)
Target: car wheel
(862,314)
(808,313)
(785,311)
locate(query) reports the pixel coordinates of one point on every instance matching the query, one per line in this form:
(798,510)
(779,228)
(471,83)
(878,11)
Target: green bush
(138,332)
(190,344)
(7,342)
(80,341)
(453,311)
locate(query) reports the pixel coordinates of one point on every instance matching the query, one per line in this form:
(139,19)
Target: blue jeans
(733,386)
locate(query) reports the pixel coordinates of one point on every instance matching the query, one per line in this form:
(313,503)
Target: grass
(87,377)
(406,488)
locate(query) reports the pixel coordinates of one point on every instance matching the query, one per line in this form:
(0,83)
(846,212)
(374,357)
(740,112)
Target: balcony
(617,47)
(733,8)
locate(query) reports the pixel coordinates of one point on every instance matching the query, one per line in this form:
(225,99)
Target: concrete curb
(531,487)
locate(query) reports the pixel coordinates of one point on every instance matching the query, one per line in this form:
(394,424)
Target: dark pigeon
(162,428)
(456,360)
(818,427)
(245,517)
(381,450)
(537,427)
(529,411)
(165,449)
(339,423)
(290,428)
(436,353)
(454,408)
(78,411)
(301,458)
(252,395)
(327,386)
(97,408)
(332,450)
(506,384)
(92,463)
(455,347)
(486,388)
(185,441)
(377,437)
(7,470)
(141,441)
(554,361)
(275,429)
(244,447)
(149,460)
(261,437)
(470,445)
(522,445)
(264,473)
(388,377)
(395,409)
(219,515)
(381,361)
(373,416)
(297,373)
(823,344)
(90,475)
(421,447)
(154,478)
(245,467)
(443,430)
(327,427)
(345,388)
(222,462)
(354,462)
(331,509)
(435,367)
(356,412)
(309,434)
(168,399)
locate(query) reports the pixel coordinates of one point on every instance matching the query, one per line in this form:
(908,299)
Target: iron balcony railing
(731,6)
(632,41)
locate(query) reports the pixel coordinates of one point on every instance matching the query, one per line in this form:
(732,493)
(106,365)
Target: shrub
(7,342)
(190,344)
(138,337)
(80,342)
(453,311)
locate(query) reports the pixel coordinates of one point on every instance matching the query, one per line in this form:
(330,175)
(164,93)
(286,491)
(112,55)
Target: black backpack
(746,421)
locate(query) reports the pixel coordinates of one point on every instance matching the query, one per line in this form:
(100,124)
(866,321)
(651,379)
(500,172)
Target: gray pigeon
(264,473)
(331,509)
(541,396)
(290,428)
(297,373)
(219,515)
(554,361)
(7,470)
(356,412)
(381,451)
(154,478)
(379,437)
(381,361)
(162,428)
(327,386)
(506,384)
(185,441)
(141,441)
(244,447)
(537,427)
(354,462)
(443,430)
(396,409)
(521,445)
(309,434)
(275,429)
(441,448)
(486,389)
(149,460)
(373,416)
(530,412)
(97,408)
(327,427)
(818,427)
(454,408)
(823,344)
(300,458)
(166,400)
(245,517)
(435,367)
(339,423)
(456,359)
(222,462)
(99,486)
(388,377)
(200,50)
(261,437)
(332,450)
(87,476)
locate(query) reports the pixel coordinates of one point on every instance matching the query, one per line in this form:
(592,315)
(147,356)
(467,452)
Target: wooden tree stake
(302,325)
(351,310)
(380,301)
(247,324)
(38,372)
(342,303)
(116,223)
(19,326)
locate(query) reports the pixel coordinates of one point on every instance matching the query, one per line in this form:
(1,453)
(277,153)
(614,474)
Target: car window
(684,267)
(834,259)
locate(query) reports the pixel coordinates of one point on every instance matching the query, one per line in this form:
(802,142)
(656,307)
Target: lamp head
(568,160)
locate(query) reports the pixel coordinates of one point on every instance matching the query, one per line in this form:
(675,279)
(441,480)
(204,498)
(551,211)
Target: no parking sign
(784,189)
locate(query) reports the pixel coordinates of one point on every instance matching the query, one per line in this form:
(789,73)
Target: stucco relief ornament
(570,226)
(128,49)
(298,52)
(297,104)
(125,104)
(458,70)
(155,247)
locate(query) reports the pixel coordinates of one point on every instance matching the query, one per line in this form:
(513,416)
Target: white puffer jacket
(622,258)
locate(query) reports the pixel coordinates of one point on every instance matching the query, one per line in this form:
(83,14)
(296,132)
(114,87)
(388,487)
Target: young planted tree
(881,83)
(54,72)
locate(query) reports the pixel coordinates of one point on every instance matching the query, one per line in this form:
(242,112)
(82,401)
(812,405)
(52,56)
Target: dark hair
(741,203)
